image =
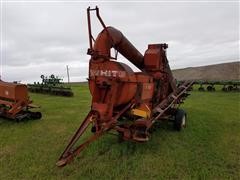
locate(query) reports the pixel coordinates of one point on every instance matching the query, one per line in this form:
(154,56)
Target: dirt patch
(7,150)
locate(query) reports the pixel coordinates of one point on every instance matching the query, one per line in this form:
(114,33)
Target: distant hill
(224,71)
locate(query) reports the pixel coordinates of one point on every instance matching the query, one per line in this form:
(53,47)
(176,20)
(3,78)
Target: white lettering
(107,73)
(114,73)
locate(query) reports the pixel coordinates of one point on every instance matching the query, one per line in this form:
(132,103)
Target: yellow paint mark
(141,113)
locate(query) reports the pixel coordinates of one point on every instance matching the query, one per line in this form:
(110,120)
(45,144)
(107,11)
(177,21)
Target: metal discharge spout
(111,37)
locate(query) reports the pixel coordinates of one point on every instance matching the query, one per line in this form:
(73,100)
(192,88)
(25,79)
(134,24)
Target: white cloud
(38,37)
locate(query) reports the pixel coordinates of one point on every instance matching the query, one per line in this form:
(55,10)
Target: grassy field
(209,148)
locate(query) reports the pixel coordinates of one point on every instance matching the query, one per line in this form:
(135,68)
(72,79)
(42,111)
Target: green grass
(209,148)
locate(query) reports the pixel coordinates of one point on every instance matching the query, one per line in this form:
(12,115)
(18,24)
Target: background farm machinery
(125,101)
(227,86)
(50,85)
(15,102)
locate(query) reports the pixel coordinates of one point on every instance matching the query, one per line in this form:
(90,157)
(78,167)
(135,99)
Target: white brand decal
(107,73)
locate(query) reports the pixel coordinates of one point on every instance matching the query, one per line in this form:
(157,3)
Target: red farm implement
(15,102)
(125,101)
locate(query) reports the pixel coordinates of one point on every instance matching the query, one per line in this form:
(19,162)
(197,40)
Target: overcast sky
(42,38)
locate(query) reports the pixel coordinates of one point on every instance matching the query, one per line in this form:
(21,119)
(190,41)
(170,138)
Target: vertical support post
(68,74)
(99,17)
(89,28)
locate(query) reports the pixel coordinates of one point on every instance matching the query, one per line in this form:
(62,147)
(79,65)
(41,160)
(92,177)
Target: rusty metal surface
(122,100)
(15,102)
(13,91)
(111,37)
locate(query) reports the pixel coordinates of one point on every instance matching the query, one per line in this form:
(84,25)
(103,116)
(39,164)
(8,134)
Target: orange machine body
(123,100)
(114,84)
(15,101)
(14,92)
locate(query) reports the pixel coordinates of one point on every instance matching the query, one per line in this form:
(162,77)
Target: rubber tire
(180,120)
(201,89)
(209,88)
(38,115)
